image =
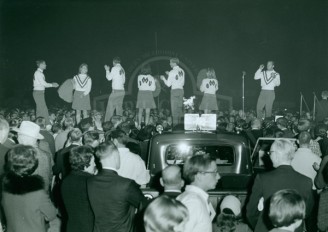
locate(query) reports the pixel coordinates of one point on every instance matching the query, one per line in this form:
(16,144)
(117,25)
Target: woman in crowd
(145,100)
(74,190)
(81,100)
(165,214)
(209,87)
(26,205)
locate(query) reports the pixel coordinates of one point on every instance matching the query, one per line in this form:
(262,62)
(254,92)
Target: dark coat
(62,161)
(114,200)
(49,138)
(28,192)
(3,152)
(266,184)
(171,194)
(77,205)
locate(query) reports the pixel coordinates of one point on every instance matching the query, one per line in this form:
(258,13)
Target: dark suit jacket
(75,197)
(266,184)
(171,194)
(114,200)
(48,137)
(62,161)
(3,152)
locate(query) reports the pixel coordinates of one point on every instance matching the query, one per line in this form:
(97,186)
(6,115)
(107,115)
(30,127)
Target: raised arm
(258,73)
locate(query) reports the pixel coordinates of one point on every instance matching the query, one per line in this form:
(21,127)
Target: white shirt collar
(110,168)
(200,192)
(40,70)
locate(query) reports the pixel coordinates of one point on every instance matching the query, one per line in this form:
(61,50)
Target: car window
(177,153)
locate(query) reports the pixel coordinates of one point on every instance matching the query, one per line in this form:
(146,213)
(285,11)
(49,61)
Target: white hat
(29,129)
(231,202)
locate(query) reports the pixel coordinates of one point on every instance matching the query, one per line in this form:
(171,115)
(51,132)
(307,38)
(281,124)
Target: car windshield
(177,153)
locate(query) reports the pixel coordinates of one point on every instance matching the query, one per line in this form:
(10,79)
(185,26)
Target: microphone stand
(243,91)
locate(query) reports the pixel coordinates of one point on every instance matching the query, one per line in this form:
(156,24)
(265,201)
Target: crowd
(81,170)
(87,176)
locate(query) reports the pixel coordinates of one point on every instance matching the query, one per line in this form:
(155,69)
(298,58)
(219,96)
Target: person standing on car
(201,172)
(175,80)
(209,87)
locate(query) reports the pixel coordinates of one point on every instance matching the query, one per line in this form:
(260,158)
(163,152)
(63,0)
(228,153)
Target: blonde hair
(165,214)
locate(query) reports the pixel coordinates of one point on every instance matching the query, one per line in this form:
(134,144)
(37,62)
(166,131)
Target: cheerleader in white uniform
(209,87)
(82,86)
(146,86)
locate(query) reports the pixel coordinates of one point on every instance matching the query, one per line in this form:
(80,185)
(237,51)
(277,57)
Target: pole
(301,101)
(243,91)
(314,100)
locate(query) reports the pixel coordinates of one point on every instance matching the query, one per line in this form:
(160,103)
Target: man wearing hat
(175,80)
(29,134)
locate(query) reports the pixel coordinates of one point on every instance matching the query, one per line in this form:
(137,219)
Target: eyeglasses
(212,172)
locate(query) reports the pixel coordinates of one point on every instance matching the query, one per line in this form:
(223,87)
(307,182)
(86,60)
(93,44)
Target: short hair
(145,70)
(41,121)
(320,130)
(82,65)
(164,214)
(85,124)
(304,138)
(117,60)
(171,175)
(39,62)
(116,118)
(286,207)
(107,126)
(195,164)
(79,157)
(68,122)
(256,123)
(56,128)
(105,150)
(324,94)
(303,125)
(120,135)
(75,135)
(271,61)
(284,148)
(4,130)
(282,122)
(210,73)
(175,60)
(90,136)
(22,160)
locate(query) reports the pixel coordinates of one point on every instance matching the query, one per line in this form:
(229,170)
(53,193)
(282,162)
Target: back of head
(165,214)
(85,124)
(286,207)
(75,135)
(256,123)
(284,150)
(320,130)
(22,160)
(107,153)
(120,136)
(4,130)
(283,122)
(304,138)
(303,125)
(194,165)
(79,157)
(171,175)
(324,94)
(41,122)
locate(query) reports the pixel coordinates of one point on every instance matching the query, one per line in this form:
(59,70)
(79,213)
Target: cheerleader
(82,86)
(209,87)
(146,86)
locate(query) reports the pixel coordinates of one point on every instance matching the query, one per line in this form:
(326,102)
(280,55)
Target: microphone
(244,74)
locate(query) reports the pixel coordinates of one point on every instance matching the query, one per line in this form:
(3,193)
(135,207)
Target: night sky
(230,36)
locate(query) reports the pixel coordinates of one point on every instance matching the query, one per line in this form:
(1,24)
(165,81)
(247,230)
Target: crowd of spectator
(65,176)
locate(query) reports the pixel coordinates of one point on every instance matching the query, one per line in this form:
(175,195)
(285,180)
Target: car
(230,151)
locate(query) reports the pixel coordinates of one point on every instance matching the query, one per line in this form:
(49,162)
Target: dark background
(231,36)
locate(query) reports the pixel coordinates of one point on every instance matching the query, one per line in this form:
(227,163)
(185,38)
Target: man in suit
(114,199)
(171,181)
(266,184)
